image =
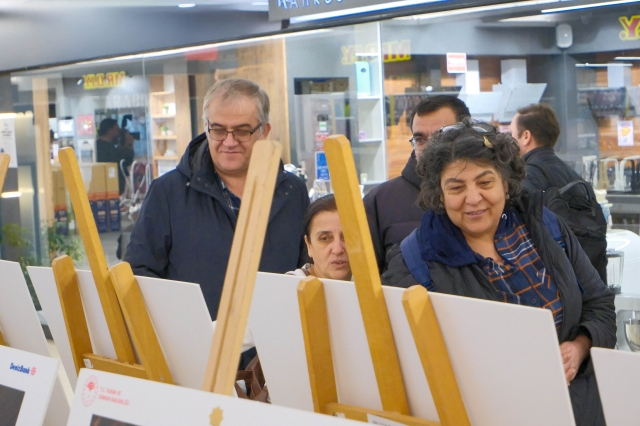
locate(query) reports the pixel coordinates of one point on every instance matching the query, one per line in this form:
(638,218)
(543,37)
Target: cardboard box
(113,204)
(100,214)
(94,178)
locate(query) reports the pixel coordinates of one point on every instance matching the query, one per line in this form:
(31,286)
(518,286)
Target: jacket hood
(441,241)
(194,156)
(409,171)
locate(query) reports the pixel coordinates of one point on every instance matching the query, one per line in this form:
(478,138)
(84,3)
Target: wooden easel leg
(242,270)
(2,342)
(315,329)
(140,326)
(434,357)
(95,255)
(71,303)
(364,267)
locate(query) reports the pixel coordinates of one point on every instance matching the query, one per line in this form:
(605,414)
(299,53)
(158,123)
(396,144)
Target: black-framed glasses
(479,126)
(240,135)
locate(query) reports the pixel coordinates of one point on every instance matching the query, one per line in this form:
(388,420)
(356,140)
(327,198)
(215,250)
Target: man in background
(536,129)
(114,145)
(391,210)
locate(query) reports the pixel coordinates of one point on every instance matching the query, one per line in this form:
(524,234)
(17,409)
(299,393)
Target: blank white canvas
(22,330)
(177,310)
(618,375)
(45,287)
(503,355)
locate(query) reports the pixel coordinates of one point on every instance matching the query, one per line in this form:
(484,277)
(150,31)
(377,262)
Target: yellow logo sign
(631,27)
(392,51)
(215,419)
(103,80)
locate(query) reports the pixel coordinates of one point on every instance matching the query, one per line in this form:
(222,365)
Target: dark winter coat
(185,228)
(561,172)
(588,305)
(391,210)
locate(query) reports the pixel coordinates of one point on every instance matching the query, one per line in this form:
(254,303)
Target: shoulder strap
(410,248)
(551,222)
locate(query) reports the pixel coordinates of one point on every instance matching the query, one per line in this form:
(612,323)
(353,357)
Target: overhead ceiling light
(478,9)
(588,6)
(11,194)
(587,65)
(186,5)
(627,58)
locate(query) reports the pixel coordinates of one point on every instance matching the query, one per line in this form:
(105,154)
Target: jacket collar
(441,241)
(409,171)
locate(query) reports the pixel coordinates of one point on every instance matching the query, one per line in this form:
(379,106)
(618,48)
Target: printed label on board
(375,420)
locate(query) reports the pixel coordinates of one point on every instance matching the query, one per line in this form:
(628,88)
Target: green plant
(58,244)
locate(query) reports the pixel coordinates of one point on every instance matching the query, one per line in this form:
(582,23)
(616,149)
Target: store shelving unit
(170,120)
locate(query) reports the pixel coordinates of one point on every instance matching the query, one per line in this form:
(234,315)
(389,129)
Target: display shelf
(161,93)
(166,158)
(370,140)
(163,116)
(368,98)
(164,137)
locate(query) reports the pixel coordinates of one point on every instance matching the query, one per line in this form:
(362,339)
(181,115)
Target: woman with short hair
(483,236)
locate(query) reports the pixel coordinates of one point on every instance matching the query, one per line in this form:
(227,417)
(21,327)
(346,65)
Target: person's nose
(474,196)
(338,247)
(229,140)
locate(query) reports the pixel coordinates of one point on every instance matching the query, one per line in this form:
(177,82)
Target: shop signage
(103,80)
(392,51)
(456,63)
(630,27)
(285,9)
(8,138)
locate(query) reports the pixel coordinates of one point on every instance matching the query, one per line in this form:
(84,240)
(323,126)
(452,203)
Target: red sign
(456,63)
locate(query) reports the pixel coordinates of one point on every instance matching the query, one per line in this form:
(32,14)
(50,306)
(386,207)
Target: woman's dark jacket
(588,305)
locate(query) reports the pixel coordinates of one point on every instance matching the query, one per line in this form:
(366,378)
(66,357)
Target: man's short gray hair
(233,88)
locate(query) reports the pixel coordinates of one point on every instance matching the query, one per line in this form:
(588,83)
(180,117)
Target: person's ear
(527,138)
(266,128)
(309,250)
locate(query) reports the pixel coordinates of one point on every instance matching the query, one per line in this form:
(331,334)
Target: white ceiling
(27,5)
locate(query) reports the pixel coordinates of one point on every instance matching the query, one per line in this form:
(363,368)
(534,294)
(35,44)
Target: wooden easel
(375,317)
(119,301)
(4,166)
(244,260)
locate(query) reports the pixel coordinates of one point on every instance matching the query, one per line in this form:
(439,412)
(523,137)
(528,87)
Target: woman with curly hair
(483,236)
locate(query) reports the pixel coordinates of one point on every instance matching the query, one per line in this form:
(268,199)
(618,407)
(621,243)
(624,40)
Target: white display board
(26,382)
(178,312)
(618,375)
(120,400)
(506,357)
(22,330)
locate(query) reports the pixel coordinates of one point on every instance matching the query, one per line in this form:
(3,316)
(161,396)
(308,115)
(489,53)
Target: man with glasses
(185,228)
(391,210)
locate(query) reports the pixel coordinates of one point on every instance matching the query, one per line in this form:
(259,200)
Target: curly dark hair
(463,142)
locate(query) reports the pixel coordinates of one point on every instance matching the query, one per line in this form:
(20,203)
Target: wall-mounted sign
(630,27)
(103,80)
(8,139)
(625,133)
(392,51)
(456,63)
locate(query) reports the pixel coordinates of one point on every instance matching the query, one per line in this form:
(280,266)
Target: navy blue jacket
(185,228)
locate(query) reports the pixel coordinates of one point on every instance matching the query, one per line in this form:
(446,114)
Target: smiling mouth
(475,213)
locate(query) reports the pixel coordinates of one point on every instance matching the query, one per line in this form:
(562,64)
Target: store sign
(285,9)
(392,51)
(456,63)
(630,27)
(103,80)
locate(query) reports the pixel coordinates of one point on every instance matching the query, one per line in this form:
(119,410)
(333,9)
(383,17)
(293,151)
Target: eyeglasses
(418,142)
(240,135)
(479,126)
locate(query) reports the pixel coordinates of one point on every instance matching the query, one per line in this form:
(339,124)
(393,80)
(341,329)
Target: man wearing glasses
(186,224)
(391,210)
